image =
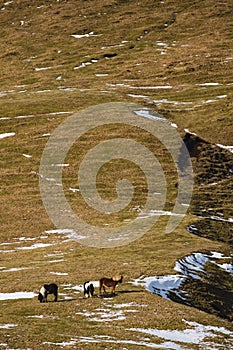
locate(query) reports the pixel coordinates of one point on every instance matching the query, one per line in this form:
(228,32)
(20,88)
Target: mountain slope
(60,57)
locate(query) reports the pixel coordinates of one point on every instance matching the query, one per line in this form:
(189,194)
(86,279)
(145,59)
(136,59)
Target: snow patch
(189,266)
(17,295)
(42,68)
(68,233)
(143,343)
(23,240)
(124,305)
(35,246)
(87,35)
(60,231)
(62,344)
(229,148)
(192,265)
(195,334)
(43,316)
(146,114)
(189,132)
(161,285)
(101,74)
(26,155)
(7,326)
(14,269)
(156,87)
(166,101)
(82,65)
(209,84)
(7,134)
(159,212)
(24,116)
(58,113)
(61,165)
(105,315)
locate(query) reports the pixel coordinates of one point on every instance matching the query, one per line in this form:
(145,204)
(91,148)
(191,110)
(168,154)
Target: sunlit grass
(152,44)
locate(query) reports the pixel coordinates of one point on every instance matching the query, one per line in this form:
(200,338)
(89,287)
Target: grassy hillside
(60,57)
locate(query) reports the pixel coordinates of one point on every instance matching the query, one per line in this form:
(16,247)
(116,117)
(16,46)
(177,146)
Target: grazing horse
(48,289)
(88,289)
(109,282)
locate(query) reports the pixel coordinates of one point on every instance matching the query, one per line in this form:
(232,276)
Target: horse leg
(91,290)
(100,286)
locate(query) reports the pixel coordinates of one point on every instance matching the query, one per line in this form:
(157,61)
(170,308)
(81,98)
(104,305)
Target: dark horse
(48,289)
(109,282)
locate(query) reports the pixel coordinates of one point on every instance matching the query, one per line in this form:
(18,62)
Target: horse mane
(117,278)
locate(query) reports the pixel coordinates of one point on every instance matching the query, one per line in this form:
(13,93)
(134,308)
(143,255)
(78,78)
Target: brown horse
(110,283)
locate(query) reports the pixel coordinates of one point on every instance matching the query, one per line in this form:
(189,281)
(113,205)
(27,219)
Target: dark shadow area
(132,291)
(112,295)
(107,295)
(208,298)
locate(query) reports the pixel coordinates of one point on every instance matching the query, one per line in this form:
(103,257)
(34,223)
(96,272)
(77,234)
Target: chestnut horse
(110,283)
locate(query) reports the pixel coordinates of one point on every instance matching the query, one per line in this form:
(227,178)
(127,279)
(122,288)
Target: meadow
(59,58)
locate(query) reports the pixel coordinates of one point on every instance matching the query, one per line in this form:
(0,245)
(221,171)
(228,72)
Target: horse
(88,289)
(109,282)
(48,289)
